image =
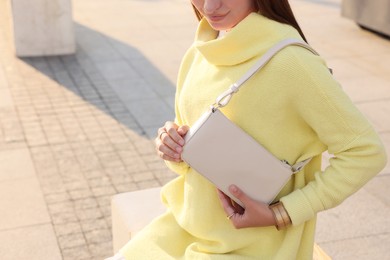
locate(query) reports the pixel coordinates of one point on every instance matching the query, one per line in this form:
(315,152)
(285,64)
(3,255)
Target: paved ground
(74,130)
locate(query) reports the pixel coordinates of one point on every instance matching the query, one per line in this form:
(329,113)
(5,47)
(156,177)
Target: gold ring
(231,215)
(163,132)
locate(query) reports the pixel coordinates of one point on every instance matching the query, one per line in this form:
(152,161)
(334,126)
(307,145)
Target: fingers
(169,141)
(239,194)
(172,130)
(226,203)
(256,213)
(182,130)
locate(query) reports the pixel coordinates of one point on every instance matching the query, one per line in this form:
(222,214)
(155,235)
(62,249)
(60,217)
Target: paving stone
(164,175)
(367,247)
(61,207)
(85,203)
(102,145)
(356,217)
(25,208)
(10,166)
(57,197)
(132,90)
(104,201)
(97,236)
(377,113)
(5,97)
(378,187)
(150,112)
(145,146)
(117,137)
(77,184)
(126,187)
(71,240)
(110,160)
(31,242)
(88,213)
(95,173)
(89,225)
(126,152)
(122,178)
(101,250)
(63,218)
(143,176)
(89,163)
(116,70)
(99,182)
(148,184)
(76,253)
(67,228)
(103,190)
(80,194)
(135,164)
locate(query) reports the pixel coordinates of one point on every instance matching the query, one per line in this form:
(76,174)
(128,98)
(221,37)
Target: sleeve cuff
(179,168)
(299,207)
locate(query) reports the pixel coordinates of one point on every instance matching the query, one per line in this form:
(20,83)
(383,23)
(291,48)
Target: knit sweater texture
(296,110)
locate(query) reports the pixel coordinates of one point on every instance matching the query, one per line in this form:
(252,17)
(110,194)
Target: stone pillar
(42,27)
(374,15)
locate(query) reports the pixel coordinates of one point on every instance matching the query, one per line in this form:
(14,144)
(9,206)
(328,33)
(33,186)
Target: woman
(292,106)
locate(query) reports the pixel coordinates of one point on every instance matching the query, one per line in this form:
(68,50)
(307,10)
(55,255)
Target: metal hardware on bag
(285,162)
(214,107)
(297,169)
(293,168)
(298,166)
(235,88)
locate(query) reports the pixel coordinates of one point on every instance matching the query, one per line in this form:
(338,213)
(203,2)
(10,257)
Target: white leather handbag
(223,153)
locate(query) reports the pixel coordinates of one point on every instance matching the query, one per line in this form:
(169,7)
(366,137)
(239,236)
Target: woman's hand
(255,214)
(169,141)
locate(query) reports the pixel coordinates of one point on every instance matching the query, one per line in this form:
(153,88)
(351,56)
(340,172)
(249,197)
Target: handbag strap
(223,99)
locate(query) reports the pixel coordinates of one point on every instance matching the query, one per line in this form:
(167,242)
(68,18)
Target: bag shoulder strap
(223,99)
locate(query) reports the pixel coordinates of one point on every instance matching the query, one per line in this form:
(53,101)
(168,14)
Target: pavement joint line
(355,237)
(371,101)
(26,226)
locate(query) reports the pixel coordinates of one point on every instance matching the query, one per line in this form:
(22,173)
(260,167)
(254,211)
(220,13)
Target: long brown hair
(277,10)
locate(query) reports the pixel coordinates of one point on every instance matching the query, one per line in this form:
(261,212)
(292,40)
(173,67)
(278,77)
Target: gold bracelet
(281,216)
(278,217)
(285,216)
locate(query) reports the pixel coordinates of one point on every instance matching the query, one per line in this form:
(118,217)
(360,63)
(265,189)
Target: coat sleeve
(181,167)
(359,153)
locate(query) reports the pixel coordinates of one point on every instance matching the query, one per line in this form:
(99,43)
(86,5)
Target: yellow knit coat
(295,109)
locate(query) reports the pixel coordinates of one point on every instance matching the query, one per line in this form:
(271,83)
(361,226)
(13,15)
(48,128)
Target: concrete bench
(131,211)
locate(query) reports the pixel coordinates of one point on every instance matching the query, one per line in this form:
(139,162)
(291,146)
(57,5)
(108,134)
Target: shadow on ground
(114,77)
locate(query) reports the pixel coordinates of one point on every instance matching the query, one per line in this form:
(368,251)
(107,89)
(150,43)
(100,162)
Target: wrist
(281,216)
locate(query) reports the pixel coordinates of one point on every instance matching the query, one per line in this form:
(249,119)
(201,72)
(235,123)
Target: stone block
(371,14)
(22,204)
(130,213)
(33,243)
(43,27)
(15,164)
(5,97)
